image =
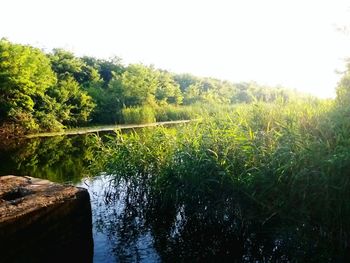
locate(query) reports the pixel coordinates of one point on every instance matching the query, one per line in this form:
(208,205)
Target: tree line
(49,91)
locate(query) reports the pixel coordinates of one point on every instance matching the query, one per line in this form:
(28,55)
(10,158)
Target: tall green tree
(65,64)
(108,105)
(25,75)
(136,86)
(105,94)
(107,69)
(185,81)
(73,105)
(167,91)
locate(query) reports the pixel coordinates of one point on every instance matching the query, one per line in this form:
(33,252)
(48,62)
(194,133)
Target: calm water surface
(115,239)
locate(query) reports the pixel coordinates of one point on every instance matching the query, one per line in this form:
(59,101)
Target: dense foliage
(50,91)
(25,76)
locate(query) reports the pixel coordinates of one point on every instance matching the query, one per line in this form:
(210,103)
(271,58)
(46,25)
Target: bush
(49,122)
(23,119)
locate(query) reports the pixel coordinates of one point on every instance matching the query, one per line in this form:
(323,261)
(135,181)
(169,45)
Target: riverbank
(85,130)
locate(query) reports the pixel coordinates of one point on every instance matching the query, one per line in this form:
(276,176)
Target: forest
(56,90)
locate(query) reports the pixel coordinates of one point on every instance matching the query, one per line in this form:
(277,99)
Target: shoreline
(85,130)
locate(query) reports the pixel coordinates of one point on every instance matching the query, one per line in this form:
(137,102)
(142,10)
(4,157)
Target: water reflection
(59,159)
(132,225)
(120,230)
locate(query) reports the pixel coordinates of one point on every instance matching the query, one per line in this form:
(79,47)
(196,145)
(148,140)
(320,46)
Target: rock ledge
(51,219)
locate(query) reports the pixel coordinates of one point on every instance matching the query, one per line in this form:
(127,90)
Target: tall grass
(291,162)
(173,113)
(188,112)
(138,115)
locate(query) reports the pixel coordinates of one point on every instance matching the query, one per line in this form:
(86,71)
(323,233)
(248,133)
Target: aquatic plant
(280,164)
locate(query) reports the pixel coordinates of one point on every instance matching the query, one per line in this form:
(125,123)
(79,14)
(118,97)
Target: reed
(290,161)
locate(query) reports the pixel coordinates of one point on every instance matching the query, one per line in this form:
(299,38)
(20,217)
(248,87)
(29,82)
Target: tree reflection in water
(59,159)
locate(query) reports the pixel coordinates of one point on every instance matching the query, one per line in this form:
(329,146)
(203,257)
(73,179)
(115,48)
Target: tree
(73,105)
(65,64)
(25,75)
(168,91)
(136,86)
(192,94)
(108,104)
(106,94)
(107,69)
(185,81)
(243,94)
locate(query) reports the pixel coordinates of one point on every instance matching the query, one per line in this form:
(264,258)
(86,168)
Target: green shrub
(24,119)
(49,122)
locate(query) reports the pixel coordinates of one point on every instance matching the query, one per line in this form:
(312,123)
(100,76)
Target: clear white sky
(289,42)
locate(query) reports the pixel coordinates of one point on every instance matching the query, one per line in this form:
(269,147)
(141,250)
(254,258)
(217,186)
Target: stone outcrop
(41,221)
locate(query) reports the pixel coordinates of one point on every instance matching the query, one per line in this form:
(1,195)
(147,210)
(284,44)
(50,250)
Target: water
(65,160)
(131,224)
(115,239)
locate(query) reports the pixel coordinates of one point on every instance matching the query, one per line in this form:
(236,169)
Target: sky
(293,43)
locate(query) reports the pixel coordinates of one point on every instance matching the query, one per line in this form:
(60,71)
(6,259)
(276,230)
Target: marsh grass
(284,163)
(138,115)
(172,113)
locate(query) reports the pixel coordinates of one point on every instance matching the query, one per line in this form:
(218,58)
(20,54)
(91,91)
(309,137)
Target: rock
(41,221)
